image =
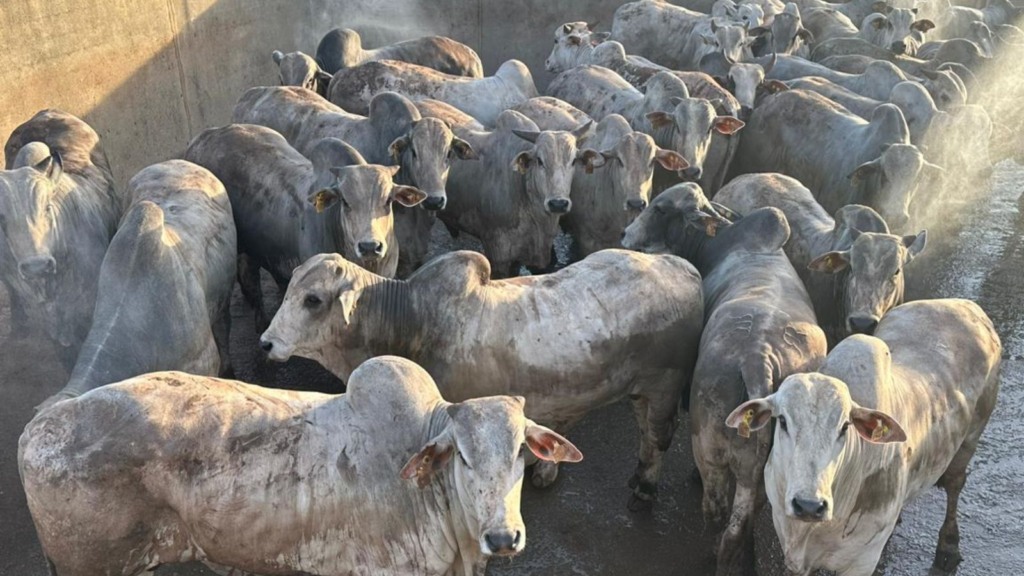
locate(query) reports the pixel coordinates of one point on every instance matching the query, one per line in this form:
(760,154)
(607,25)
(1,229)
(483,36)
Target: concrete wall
(150,74)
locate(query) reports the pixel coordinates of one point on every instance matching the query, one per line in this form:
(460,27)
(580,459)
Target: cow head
(481,449)
(30,205)
(425,154)
(548,166)
(629,164)
(361,196)
(945,88)
(690,127)
(316,314)
(731,40)
(873,281)
(785,35)
(573,43)
(671,219)
(817,423)
(747,82)
(899,30)
(888,183)
(298,69)
(917,106)
(981,35)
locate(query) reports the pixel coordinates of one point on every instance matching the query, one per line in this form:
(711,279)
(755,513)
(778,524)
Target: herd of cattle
(825,134)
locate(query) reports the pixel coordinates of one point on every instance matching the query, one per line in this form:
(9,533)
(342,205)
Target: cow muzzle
(371,250)
(809,510)
(558,205)
(692,173)
(275,351)
(636,205)
(435,203)
(37,267)
(862,324)
(503,542)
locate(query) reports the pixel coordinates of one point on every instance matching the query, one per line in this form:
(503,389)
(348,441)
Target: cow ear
(726,212)
(582,130)
(805,35)
(709,223)
(775,86)
(751,416)
(277,55)
(882,7)
(660,119)
(430,460)
(922,25)
(397,147)
(598,37)
(876,427)
(324,199)
(830,262)
(757,31)
(589,159)
(915,243)
(522,161)
(323,76)
(528,135)
(709,40)
(671,160)
(348,300)
(463,149)
(863,171)
(407,196)
(550,446)
(566,28)
(728,124)
(52,166)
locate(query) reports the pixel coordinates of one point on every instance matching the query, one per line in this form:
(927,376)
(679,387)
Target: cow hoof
(946,561)
(638,504)
(544,474)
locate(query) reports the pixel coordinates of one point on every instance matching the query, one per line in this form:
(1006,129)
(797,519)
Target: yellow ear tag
(320,201)
(881,431)
(744,428)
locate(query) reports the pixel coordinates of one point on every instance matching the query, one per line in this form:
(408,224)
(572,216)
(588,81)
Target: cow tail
(757,374)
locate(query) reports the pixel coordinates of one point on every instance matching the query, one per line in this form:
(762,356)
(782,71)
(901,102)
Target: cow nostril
(809,509)
(518,539)
(370,249)
(898,47)
(502,541)
(36,267)
(558,205)
(435,203)
(266,345)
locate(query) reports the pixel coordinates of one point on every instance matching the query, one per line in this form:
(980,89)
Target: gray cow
(838,156)
(451,115)
(634,335)
(665,111)
(513,196)
(550,113)
(604,202)
(393,133)
(288,208)
(171,264)
(300,69)
(343,48)
(58,212)
(171,467)
(853,269)
(481,98)
(676,37)
(760,328)
(884,420)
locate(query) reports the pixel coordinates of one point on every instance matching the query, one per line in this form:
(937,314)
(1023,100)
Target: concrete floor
(581,525)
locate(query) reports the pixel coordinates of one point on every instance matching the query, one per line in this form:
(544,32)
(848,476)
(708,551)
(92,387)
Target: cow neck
(386,318)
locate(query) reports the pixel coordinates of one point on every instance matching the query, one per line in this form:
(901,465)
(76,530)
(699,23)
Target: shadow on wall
(150,74)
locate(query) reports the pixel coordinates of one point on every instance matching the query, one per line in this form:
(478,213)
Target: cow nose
(636,204)
(811,510)
(503,543)
(863,324)
(745,112)
(558,206)
(435,203)
(692,173)
(898,47)
(369,249)
(37,266)
(266,345)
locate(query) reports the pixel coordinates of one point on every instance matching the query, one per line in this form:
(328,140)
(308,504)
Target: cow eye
(842,431)
(896,273)
(783,425)
(312,301)
(464,461)
(412,151)
(539,161)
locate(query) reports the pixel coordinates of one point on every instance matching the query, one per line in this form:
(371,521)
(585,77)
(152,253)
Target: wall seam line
(175,41)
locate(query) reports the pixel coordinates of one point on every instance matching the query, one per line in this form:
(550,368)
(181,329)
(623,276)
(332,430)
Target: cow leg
(252,291)
(222,338)
(736,550)
(947,553)
(657,421)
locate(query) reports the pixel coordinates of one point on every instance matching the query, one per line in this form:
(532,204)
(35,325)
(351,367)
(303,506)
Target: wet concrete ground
(581,525)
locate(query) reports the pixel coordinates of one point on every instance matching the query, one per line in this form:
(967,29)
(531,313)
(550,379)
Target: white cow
(886,418)
(171,467)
